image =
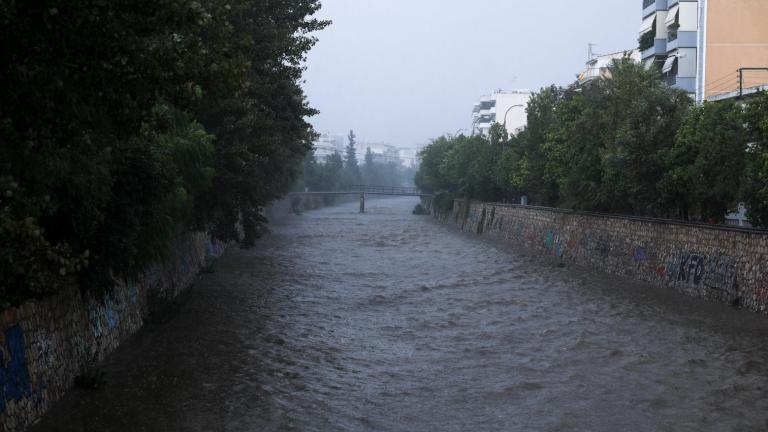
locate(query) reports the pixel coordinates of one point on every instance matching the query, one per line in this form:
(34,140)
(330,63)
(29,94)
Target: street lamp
(457,132)
(474,122)
(508,110)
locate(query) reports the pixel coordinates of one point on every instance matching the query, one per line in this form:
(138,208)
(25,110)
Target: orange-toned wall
(737,36)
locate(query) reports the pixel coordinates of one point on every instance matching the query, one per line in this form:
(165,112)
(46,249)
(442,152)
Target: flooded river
(392,322)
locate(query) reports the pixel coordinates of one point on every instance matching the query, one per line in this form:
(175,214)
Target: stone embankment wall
(712,262)
(45,344)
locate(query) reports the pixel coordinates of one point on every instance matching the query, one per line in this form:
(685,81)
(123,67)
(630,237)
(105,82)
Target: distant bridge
(364,190)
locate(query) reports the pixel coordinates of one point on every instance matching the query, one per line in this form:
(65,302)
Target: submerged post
(362,202)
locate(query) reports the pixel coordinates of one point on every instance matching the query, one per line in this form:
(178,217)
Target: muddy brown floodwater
(392,322)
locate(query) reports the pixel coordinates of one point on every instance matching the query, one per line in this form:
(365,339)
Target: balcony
(651,6)
(686,84)
(684,39)
(659,48)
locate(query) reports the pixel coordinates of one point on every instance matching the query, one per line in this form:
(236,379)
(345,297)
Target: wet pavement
(392,322)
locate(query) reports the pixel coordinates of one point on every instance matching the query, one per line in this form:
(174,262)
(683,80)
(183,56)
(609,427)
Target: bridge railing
(395,190)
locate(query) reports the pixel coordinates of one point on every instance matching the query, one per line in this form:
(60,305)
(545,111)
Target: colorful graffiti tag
(14,376)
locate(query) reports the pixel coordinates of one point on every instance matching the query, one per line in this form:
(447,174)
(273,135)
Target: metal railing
(373,190)
(394,190)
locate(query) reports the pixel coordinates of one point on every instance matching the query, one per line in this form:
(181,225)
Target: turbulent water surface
(387,321)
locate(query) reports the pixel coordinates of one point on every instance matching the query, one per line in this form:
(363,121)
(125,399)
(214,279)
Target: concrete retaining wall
(712,262)
(45,344)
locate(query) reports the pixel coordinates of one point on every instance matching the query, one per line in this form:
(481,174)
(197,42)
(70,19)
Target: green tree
(529,171)
(332,172)
(705,166)
(370,170)
(351,167)
(431,176)
(593,147)
(125,123)
(642,115)
(755,180)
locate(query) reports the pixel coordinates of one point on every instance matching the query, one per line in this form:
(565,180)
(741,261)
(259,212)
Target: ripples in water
(389,322)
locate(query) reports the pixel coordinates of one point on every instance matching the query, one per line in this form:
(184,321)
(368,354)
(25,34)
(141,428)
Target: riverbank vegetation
(124,124)
(629,145)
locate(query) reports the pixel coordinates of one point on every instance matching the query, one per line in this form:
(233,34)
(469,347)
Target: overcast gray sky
(407,71)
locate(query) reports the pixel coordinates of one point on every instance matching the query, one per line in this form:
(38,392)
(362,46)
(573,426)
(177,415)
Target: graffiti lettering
(14,376)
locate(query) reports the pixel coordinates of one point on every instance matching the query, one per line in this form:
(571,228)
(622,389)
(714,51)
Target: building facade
(735,37)
(701,45)
(599,65)
(382,152)
(505,108)
(328,144)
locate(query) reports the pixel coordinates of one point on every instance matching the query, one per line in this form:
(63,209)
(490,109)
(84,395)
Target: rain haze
(551,215)
(404,71)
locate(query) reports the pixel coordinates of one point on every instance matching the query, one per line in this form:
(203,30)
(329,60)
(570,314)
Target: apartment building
(598,66)
(504,107)
(735,37)
(328,144)
(702,46)
(382,152)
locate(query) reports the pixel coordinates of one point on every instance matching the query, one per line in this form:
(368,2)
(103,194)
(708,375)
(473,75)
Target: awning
(672,15)
(669,64)
(648,24)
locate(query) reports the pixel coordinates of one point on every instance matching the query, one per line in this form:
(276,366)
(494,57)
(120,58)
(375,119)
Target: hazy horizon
(405,72)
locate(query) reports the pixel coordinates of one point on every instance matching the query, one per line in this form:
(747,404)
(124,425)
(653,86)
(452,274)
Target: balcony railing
(646,40)
(672,32)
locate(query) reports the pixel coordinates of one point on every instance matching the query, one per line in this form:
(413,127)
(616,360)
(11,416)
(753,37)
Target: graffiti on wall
(716,271)
(760,293)
(14,376)
(104,317)
(638,253)
(595,245)
(46,348)
(720,274)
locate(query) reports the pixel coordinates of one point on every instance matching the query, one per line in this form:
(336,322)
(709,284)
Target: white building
(382,152)
(410,156)
(599,65)
(328,144)
(505,108)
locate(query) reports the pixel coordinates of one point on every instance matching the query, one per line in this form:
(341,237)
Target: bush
(442,203)
(420,210)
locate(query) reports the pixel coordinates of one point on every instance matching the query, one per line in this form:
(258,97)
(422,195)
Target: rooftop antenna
(590,52)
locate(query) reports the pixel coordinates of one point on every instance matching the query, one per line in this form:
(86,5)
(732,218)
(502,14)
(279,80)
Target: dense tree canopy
(628,144)
(124,123)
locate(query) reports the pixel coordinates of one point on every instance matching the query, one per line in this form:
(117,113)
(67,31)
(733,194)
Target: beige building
(704,46)
(735,36)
